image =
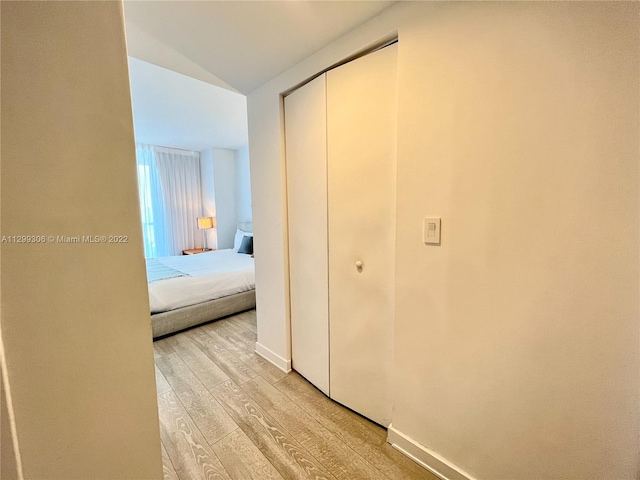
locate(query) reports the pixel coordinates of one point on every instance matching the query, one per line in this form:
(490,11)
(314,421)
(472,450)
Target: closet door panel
(361,130)
(306,157)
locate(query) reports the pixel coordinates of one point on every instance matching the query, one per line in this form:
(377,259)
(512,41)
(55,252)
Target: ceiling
(190,62)
(238,45)
(174,110)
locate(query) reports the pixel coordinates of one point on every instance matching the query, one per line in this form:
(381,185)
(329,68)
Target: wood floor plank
(212,420)
(229,332)
(162,385)
(240,329)
(367,440)
(247,319)
(161,348)
(237,370)
(322,408)
(257,428)
(335,455)
(168,472)
(243,334)
(243,460)
(191,456)
(202,366)
(241,349)
(281,449)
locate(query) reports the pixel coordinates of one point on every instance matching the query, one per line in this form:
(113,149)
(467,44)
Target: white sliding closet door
(361,134)
(306,153)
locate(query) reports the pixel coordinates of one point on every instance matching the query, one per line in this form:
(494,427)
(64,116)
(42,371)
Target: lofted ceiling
(174,110)
(238,45)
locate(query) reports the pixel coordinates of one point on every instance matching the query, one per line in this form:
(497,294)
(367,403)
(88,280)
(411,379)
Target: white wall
(243,185)
(75,318)
(224,174)
(266,148)
(208,194)
(226,192)
(517,352)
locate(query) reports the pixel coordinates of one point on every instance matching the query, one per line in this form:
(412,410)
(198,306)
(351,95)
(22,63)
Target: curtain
(151,203)
(170,199)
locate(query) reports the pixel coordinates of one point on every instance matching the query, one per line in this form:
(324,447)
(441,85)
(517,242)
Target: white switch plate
(431,230)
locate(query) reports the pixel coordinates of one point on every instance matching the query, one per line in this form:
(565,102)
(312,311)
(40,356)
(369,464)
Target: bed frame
(166,323)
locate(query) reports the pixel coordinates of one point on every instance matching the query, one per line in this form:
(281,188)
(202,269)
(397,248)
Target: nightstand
(193,251)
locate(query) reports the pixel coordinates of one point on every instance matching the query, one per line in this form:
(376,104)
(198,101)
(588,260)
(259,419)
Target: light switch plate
(431,231)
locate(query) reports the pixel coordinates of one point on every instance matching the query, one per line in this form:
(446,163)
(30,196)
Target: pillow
(238,238)
(246,246)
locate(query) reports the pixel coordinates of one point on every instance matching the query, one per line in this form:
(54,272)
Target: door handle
(358,264)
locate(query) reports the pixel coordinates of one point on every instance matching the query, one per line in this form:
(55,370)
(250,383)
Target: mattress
(205,276)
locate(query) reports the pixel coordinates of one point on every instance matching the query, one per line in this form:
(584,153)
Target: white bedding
(208,276)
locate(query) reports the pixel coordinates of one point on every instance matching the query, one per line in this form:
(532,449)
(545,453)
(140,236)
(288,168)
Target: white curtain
(170,199)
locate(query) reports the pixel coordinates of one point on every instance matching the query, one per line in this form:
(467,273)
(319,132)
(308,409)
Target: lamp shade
(205,223)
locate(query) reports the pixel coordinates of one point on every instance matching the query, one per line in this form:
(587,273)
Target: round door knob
(358,264)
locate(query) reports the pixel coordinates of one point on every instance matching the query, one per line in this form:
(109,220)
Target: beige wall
(8,461)
(519,336)
(75,321)
(517,351)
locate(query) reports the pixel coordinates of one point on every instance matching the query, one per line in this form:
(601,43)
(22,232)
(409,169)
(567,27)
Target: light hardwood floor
(225,412)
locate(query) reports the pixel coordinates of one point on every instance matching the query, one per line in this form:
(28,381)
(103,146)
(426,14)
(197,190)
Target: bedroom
(517,339)
(193,167)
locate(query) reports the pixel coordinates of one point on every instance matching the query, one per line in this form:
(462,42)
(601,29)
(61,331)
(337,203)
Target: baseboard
(424,456)
(277,360)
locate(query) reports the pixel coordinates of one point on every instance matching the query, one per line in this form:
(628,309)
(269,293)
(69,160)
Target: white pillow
(237,241)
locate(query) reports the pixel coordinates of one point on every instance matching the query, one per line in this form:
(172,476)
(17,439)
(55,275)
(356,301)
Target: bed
(188,290)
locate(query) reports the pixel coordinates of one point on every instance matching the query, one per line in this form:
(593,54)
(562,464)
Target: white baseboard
(424,456)
(277,360)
